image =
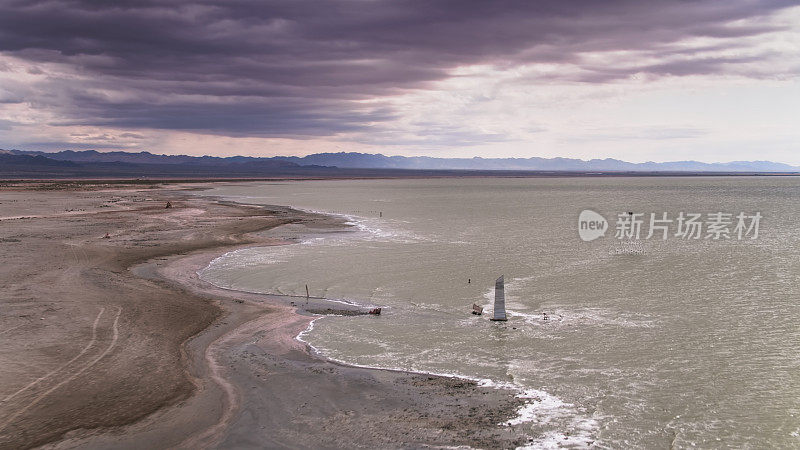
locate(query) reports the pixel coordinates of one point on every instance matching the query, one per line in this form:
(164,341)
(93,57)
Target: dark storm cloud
(51,146)
(295,68)
(242,116)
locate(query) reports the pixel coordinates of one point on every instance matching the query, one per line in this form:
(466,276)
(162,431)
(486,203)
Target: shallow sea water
(681,342)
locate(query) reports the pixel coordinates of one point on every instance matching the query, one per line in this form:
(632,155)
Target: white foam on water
(545,409)
(301,336)
(346,301)
(251,256)
(558,440)
(429,306)
(540,408)
(374,228)
(312,241)
(602,317)
(582,317)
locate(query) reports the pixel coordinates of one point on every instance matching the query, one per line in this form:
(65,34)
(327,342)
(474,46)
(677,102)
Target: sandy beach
(115,342)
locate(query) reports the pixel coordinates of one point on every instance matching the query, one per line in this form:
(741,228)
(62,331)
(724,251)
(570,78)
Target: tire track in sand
(73,376)
(12,329)
(207,437)
(61,367)
(267,321)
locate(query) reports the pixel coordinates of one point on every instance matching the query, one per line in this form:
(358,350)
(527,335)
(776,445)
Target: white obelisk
(499,300)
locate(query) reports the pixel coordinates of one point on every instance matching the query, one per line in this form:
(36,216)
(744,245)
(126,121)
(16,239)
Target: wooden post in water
(307,295)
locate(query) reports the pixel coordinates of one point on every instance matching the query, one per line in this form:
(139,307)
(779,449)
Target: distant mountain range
(68,163)
(365,160)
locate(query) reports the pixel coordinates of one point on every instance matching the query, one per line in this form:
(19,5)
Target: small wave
(592,317)
(246,257)
(540,409)
(582,317)
(373,228)
(301,336)
(543,409)
(381,233)
(536,318)
(345,301)
(430,307)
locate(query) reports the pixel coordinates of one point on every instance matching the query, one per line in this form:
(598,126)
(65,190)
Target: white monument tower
(499,300)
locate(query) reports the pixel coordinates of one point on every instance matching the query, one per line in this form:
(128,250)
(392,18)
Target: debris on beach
(375,312)
(336,312)
(477,310)
(169,205)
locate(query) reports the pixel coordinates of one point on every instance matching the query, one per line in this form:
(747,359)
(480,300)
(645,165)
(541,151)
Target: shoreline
(253,342)
(61,270)
(309,312)
(530,398)
(345,222)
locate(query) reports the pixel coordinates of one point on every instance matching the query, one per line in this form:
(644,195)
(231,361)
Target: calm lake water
(666,342)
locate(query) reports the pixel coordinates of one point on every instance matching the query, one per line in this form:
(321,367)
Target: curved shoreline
(307,318)
(291,322)
(253,384)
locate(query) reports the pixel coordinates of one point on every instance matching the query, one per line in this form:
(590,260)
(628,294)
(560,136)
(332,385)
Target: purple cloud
(290,68)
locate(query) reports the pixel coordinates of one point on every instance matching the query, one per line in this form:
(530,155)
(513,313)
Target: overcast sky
(634,80)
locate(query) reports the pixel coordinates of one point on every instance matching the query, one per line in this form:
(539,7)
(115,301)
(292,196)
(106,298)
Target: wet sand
(116,342)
